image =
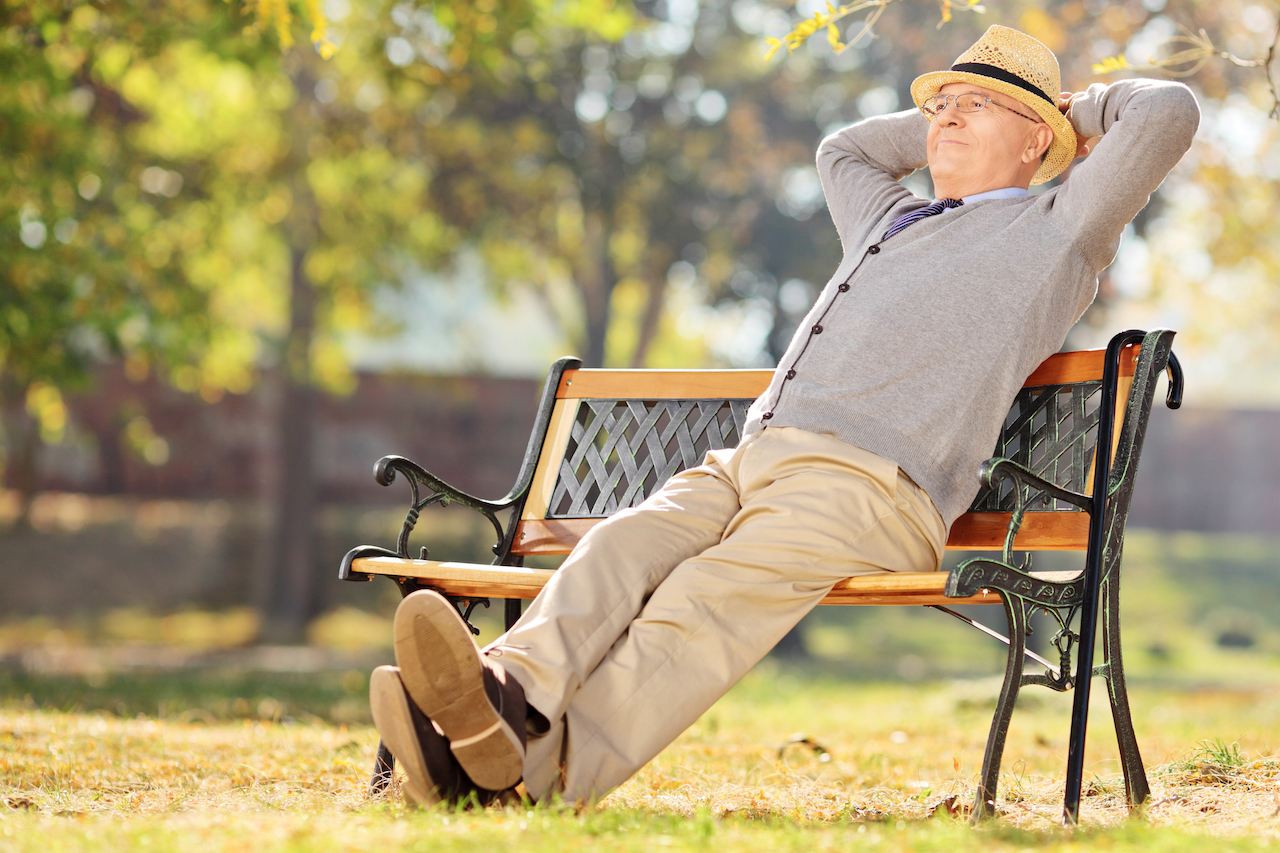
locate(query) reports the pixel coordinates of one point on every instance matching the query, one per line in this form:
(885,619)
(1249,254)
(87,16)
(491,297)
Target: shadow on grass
(197,695)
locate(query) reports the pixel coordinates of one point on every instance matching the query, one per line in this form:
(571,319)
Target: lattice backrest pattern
(1051,430)
(620,451)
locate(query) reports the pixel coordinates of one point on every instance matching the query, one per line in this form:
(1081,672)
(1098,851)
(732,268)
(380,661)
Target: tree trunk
(292,584)
(596,275)
(595,278)
(658,262)
(22,447)
(291,593)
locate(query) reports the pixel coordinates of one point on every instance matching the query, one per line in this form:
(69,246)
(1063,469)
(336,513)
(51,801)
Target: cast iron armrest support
(436,491)
(1021,591)
(1024,483)
(439,492)
(442,493)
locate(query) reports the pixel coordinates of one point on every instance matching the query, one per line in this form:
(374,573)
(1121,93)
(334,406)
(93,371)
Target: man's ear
(1038,144)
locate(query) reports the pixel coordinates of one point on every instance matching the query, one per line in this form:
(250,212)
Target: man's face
(981,150)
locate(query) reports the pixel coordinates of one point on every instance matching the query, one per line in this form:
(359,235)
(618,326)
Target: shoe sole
(441,670)
(391,716)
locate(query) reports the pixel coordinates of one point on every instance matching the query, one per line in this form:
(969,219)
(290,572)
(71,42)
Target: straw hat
(1016,65)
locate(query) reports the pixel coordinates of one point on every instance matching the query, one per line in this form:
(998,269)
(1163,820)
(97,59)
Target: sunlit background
(247,249)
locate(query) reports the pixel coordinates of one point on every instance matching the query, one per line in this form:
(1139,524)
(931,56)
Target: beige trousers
(665,606)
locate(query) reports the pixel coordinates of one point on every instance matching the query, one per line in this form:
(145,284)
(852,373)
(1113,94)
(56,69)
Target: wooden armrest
(471,579)
(900,588)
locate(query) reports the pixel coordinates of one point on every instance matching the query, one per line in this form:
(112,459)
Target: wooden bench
(605,439)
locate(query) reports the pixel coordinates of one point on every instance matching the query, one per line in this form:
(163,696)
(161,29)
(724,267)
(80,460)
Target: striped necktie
(916,215)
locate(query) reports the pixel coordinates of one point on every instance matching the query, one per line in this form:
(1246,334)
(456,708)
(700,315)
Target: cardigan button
(791,374)
(766,416)
(817,330)
(874,250)
(844,288)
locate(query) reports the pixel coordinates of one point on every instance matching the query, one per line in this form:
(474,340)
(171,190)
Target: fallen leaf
(949,807)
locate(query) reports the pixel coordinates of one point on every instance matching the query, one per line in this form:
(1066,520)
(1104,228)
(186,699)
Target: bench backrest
(612,437)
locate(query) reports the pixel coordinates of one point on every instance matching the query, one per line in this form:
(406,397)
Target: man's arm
(1146,126)
(861,165)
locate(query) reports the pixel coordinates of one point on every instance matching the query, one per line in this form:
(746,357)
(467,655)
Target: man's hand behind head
(1064,105)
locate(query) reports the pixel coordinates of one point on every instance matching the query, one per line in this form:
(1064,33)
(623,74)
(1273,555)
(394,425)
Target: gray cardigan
(918,344)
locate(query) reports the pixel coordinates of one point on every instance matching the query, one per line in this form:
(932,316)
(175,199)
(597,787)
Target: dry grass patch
(895,762)
(83,765)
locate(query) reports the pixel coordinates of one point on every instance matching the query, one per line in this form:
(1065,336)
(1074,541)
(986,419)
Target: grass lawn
(205,761)
(218,756)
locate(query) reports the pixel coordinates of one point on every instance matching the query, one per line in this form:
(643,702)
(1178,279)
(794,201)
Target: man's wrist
(1084,111)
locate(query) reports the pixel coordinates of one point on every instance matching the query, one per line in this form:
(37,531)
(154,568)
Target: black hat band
(996,73)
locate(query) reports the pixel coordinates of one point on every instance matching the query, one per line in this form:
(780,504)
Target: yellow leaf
(283,18)
(1110,64)
(774,44)
(319,24)
(318,20)
(833,37)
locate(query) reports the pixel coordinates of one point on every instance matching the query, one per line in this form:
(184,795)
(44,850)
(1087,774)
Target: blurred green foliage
(82,277)
(167,170)
(164,168)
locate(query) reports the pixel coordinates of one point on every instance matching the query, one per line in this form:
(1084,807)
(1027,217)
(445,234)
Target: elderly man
(857,458)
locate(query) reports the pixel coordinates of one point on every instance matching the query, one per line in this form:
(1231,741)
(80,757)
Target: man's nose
(949,114)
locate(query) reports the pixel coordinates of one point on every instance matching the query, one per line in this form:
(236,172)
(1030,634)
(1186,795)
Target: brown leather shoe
(480,710)
(433,775)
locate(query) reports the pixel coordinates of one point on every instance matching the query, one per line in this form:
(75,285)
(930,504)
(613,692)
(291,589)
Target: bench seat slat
(475,579)
(1040,531)
(973,531)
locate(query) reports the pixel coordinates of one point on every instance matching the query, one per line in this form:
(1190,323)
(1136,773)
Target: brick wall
(471,431)
(1202,469)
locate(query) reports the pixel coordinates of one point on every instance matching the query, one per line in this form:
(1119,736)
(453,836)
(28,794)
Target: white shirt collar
(1003,192)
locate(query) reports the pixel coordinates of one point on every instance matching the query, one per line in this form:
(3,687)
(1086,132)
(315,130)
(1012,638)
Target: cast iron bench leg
(1016,610)
(1135,775)
(384,766)
(511,612)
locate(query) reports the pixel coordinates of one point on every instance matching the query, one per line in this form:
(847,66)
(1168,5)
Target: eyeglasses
(966,102)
